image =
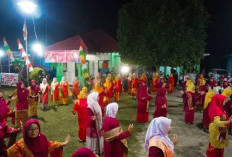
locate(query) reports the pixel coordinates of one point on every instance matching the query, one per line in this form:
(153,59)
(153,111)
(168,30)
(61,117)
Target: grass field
(57,123)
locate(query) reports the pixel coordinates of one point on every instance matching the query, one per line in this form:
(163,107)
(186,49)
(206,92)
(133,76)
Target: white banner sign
(10,79)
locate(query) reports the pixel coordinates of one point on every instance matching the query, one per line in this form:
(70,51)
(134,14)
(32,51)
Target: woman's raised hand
(67,140)
(130,127)
(175,139)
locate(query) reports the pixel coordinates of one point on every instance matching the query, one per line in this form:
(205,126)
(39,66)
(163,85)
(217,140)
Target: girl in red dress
(80,106)
(161,103)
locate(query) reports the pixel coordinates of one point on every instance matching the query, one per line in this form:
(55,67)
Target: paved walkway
(193,141)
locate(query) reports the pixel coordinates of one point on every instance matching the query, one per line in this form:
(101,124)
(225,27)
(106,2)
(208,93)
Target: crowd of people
(97,108)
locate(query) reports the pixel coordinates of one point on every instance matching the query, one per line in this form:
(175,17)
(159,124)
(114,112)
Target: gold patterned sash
(112,134)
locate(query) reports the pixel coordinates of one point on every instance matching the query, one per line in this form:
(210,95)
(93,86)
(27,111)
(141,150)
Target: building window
(65,67)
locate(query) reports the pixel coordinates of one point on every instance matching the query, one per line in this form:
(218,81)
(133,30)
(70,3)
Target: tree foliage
(162,32)
(37,74)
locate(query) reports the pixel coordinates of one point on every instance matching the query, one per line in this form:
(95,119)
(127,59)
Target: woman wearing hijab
(143,78)
(134,85)
(44,87)
(35,144)
(94,134)
(55,87)
(99,89)
(143,104)
(65,91)
(34,91)
(118,88)
(218,128)
(4,130)
(21,95)
(84,152)
(228,104)
(206,120)
(80,106)
(190,108)
(171,82)
(109,87)
(161,103)
(115,144)
(5,109)
(157,141)
(155,83)
(76,85)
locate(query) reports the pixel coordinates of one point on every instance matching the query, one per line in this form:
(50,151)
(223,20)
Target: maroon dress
(206,120)
(155,152)
(91,130)
(228,108)
(190,109)
(143,98)
(159,102)
(114,148)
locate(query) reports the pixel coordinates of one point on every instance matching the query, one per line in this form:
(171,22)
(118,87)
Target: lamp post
(28,7)
(1,55)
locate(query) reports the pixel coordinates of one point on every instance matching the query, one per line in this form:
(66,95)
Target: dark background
(60,19)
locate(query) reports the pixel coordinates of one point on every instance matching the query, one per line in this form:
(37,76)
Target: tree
(167,32)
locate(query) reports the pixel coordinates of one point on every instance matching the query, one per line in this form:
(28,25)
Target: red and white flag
(25,30)
(24,55)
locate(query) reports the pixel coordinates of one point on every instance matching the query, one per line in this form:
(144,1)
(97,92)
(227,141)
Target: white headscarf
(53,84)
(92,101)
(43,86)
(159,128)
(112,109)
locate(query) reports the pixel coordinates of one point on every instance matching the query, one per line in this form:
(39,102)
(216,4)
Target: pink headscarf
(143,92)
(38,145)
(22,93)
(83,152)
(159,128)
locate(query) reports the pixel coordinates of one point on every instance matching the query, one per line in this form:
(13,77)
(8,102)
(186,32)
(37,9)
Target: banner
(62,56)
(10,79)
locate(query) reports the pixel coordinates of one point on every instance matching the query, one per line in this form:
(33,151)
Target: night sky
(60,19)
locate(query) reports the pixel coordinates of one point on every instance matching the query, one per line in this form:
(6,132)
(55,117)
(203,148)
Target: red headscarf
(143,92)
(38,145)
(216,107)
(83,152)
(204,88)
(22,93)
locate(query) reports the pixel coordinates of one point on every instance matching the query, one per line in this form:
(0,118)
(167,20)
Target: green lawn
(58,122)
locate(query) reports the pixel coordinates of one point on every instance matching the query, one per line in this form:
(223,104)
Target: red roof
(95,41)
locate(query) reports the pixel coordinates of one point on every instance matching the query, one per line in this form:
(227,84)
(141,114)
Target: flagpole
(26,64)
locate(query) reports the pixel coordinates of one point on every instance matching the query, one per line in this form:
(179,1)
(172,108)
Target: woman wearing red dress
(94,134)
(21,95)
(76,85)
(99,89)
(218,128)
(65,91)
(161,103)
(115,144)
(80,106)
(143,103)
(44,87)
(190,108)
(171,82)
(55,88)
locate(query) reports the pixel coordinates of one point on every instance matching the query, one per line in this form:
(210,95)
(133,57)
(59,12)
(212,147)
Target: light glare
(27,6)
(125,69)
(38,48)
(1,53)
